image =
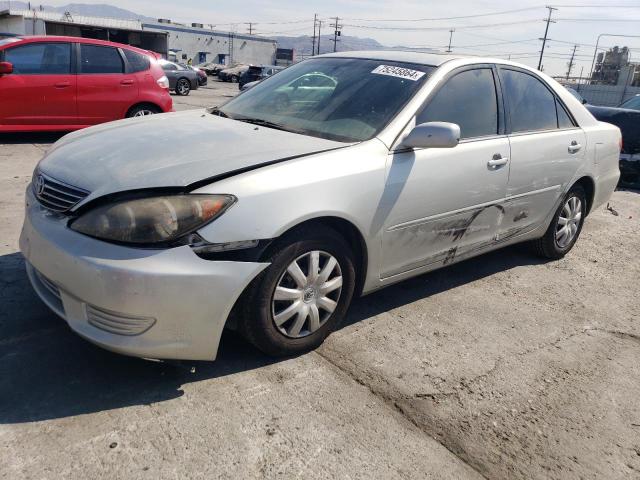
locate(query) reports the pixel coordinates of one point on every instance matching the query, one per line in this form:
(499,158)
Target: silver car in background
(268,214)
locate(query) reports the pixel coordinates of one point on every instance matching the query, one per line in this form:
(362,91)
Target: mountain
(303,44)
(91,10)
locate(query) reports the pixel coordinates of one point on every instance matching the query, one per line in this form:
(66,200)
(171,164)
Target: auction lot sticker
(398,72)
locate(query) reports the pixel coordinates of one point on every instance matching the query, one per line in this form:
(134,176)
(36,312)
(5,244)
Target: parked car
(232,74)
(212,68)
(202,76)
(271,219)
(633,103)
(68,83)
(256,73)
(627,119)
(182,79)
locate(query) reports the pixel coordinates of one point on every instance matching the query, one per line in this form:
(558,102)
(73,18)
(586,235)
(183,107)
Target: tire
(261,308)
(235,79)
(554,244)
(142,111)
(183,87)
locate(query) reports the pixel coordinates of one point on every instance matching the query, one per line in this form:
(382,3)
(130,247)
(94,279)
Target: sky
(424,23)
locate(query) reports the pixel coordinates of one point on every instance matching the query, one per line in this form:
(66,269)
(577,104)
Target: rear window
(137,61)
(99,59)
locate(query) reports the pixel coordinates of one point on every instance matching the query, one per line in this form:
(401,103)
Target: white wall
(188,41)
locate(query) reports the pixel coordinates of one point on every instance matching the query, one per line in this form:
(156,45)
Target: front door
(105,91)
(42,88)
(443,203)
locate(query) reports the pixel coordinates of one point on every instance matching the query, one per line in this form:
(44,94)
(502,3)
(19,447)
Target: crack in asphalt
(394,402)
(396,406)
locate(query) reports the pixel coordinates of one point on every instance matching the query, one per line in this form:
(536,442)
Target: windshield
(341,99)
(6,41)
(633,103)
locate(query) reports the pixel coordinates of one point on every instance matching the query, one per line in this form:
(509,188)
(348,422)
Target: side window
(167,67)
(99,59)
(137,61)
(469,100)
(564,120)
(40,58)
(531,105)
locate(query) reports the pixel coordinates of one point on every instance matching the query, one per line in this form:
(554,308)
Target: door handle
(62,84)
(126,82)
(574,147)
(497,161)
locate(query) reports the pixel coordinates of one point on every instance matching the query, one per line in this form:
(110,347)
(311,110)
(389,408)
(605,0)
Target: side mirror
(6,68)
(584,101)
(433,135)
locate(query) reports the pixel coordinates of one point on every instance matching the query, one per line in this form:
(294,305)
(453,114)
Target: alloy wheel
(306,294)
(568,222)
(143,113)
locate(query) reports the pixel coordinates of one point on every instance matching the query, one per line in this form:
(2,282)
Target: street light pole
(595,52)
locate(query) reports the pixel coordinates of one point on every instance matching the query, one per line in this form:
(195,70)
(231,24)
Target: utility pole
(570,65)
(336,34)
(450,38)
(319,27)
(251,24)
(546,31)
(313,44)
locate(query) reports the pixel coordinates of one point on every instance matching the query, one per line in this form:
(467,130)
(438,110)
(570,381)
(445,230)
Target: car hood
(169,150)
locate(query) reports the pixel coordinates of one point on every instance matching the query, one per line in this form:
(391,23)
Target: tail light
(163,82)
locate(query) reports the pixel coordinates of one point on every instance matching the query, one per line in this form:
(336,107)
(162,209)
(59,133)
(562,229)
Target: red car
(67,83)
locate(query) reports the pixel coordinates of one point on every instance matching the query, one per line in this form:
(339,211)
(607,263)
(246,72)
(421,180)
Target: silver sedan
(339,176)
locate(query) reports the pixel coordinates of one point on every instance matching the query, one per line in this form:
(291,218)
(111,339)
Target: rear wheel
(302,296)
(183,87)
(565,227)
(142,111)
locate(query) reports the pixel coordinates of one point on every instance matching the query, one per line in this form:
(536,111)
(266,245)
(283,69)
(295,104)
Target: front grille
(54,194)
(118,323)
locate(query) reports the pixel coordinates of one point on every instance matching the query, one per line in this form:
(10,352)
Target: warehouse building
(175,41)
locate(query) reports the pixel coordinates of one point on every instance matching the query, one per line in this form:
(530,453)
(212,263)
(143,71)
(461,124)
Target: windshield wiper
(263,123)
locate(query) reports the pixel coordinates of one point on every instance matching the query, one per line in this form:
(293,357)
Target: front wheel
(565,227)
(183,87)
(302,296)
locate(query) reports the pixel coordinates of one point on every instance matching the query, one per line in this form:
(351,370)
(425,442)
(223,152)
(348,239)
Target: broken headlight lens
(155,220)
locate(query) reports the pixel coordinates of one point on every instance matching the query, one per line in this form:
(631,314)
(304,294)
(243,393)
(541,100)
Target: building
(180,42)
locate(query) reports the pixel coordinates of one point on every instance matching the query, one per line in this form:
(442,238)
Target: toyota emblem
(39,185)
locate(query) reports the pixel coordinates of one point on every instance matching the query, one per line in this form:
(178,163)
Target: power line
(434,19)
(416,29)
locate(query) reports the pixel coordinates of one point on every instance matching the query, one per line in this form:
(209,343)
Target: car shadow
(48,372)
(30,137)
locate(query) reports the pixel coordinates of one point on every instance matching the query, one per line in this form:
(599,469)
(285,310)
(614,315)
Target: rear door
(105,91)
(547,147)
(42,88)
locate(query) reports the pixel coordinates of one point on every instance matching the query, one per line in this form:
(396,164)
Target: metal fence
(605,95)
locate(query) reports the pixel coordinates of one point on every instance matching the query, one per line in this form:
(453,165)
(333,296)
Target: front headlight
(152,220)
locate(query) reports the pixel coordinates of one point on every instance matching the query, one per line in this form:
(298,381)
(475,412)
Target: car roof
(59,38)
(433,59)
